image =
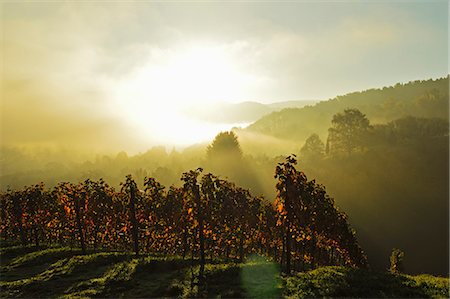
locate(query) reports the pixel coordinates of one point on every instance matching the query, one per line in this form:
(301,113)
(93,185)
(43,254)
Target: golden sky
(119,74)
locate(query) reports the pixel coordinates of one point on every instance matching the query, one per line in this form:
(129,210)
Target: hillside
(395,191)
(244,112)
(426,98)
(65,273)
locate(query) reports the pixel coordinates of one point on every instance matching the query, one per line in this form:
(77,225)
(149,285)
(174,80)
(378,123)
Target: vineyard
(208,238)
(208,217)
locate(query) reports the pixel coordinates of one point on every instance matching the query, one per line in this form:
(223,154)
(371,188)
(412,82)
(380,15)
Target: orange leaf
(67,209)
(280,208)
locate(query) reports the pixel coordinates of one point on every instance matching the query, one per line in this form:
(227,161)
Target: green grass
(9,253)
(261,278)
(137,278)
(61,275)
(434,287)
(31,264)
(357,283)
(65,273)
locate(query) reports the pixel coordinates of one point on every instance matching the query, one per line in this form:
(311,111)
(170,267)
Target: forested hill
(428,98)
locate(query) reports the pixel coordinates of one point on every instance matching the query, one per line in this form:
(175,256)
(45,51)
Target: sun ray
(154,96)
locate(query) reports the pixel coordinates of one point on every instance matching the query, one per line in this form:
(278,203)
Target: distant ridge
(292,104)
(244,112)
(420,98)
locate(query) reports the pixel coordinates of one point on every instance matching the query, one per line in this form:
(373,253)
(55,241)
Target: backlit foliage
(208,217)
(314,231)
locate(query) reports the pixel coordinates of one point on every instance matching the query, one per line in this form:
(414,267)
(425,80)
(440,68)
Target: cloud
(65,61)
(32,119)
(52,91)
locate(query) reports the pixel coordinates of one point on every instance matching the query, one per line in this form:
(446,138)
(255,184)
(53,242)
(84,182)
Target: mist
(358,92)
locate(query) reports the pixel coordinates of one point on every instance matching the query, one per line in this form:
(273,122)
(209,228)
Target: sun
(154,96)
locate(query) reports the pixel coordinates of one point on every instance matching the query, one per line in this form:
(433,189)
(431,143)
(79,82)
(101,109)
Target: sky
(119,74)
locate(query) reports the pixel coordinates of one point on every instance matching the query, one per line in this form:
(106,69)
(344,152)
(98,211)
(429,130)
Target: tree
(224,145)
(396,261)
(347,132)
(313,148)
(224,157)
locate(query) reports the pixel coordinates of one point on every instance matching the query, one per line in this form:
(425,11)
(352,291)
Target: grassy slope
(357,283)
(63,273)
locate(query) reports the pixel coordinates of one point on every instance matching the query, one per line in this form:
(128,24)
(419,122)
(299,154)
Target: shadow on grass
(222,281)
(261,280)
(61,276)
(349,282)
(384,285)
(33,263)
(138,278)
(7,254)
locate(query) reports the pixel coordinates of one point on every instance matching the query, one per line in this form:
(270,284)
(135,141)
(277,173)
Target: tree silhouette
(314,148)
(224,157)
(347,132)
(224,145)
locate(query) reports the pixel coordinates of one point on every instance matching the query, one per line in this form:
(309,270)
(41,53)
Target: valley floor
(65,273)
